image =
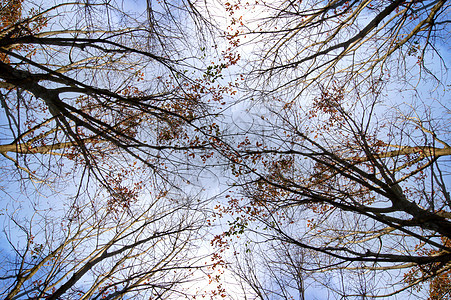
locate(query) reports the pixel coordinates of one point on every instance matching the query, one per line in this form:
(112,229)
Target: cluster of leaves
(438,275)
(14,25)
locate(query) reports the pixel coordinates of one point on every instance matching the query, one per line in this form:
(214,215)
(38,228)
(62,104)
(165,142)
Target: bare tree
(331,162)
(103,254)
(360,188)
(328,175)
(270,272)
(105,109)
(303,46)
(84,81)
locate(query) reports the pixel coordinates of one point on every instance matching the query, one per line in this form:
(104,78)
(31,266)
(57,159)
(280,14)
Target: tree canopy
(150,149)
